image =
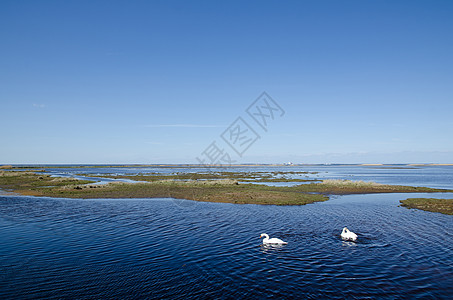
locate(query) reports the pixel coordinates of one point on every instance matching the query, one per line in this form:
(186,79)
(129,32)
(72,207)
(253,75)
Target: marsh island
(224,186)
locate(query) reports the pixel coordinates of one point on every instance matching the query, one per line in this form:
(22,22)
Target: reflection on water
(349,244)
(270,247)
(153,248)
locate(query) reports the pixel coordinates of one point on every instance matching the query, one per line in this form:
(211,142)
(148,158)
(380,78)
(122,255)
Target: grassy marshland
(28,183)
(444,206)
(240,176)
(222,189)
(227,191)
(346,187)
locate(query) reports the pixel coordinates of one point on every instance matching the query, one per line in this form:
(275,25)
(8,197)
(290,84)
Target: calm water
(165,248)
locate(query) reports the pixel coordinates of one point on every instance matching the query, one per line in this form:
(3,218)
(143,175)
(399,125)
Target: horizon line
(183,126)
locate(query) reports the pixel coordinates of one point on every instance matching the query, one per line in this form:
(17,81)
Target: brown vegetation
(444,206)
(222,189)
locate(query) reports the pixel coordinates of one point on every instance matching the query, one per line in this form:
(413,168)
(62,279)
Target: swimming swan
(348,235)
(267,240)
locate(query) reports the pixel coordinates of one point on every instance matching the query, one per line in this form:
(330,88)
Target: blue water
(179,249)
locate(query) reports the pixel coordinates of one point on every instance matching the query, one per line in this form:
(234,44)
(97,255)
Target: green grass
(346,187)
(29,183)
(209,191)
(211,187)
(444,206)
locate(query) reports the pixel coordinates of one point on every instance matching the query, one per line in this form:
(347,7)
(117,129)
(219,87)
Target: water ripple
(152,248)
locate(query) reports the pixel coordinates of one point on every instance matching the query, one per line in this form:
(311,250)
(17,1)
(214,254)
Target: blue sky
(159,81)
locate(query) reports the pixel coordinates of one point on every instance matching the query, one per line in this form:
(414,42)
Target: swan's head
(345,229)
(263,235)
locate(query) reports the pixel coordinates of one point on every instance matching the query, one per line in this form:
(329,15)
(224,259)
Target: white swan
(267,240)
(348,235)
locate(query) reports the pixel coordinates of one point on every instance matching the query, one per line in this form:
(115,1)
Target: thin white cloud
(39,105)
(183,126)
(155,143)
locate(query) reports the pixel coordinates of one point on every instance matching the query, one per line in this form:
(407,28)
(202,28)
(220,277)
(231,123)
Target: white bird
(267,240)
(348,235)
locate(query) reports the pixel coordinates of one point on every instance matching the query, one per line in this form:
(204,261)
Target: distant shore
(35,166)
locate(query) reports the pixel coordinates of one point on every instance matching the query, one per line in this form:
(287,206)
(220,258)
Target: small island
(444,206)
(225,187)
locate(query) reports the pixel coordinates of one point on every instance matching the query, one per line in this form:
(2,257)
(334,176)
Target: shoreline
(225,188)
